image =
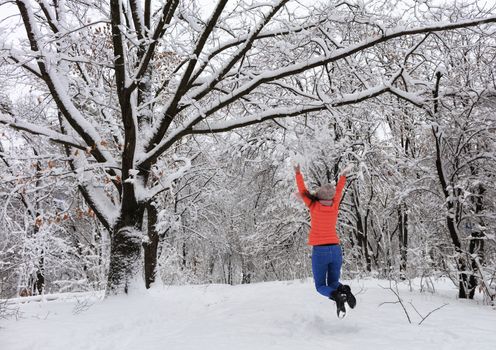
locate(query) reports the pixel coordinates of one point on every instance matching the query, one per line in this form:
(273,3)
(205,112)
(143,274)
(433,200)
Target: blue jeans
(326,268)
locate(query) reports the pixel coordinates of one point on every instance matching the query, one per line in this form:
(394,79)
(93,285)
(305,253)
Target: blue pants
(326,268)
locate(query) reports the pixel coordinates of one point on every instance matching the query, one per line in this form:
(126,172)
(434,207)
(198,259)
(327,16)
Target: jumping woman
(326,252)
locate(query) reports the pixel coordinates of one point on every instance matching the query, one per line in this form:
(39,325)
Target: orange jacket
(323,218)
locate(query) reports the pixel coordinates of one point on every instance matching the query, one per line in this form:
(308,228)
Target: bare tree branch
(170,111)
(42,131)
(268,115)
(166,17)
(77,121)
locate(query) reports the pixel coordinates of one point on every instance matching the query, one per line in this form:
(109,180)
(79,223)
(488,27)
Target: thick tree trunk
(126,264)
(125,260)
(151,246)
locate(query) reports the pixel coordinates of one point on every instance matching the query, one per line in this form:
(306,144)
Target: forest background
(146,141)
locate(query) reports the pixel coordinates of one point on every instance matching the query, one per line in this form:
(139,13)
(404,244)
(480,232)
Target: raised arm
(302,189)
(339,189)
(341,183)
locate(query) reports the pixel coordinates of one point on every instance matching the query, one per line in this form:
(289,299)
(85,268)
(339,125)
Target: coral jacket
(323,218)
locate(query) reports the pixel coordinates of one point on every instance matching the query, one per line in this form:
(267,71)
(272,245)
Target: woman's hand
(347,169)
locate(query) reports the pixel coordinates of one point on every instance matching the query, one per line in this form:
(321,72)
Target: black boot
(340,299)
(350,298)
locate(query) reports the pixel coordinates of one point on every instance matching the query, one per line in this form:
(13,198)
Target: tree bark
(151,246)
(462,265)
(476,245)
(40,276)
(125,259)
(126,241)
(361,232)
(403,239)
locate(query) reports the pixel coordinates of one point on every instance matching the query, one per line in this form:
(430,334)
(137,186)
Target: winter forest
(153,141)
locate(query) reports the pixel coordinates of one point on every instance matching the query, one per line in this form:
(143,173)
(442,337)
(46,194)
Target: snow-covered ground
(277,315)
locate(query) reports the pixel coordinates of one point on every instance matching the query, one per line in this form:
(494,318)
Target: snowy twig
(424,317)
(400,301)
(81,306)
(440,307)
(7,311)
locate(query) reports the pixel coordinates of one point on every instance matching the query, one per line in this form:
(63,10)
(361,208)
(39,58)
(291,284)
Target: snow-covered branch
(165,18)
(104,209)
(243,39)
(410,97)
(190,127)
(181,89)
(58,89)
(42,131)
(242,50)
(165,184)
(268,76)
(25,64)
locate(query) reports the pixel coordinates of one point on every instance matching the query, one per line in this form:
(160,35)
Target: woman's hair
(310,196)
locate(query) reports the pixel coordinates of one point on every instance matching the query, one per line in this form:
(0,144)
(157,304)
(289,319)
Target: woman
(326,252)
